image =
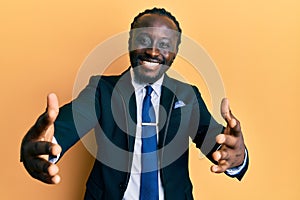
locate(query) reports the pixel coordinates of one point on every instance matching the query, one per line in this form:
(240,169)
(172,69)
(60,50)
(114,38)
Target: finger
(220,155)
(51,112)
(227,140)
(48,179)
(43,170)
(55,179)
(46,119)
(234,131)
(226,113)
(52,107)
(44,177)
(233,125)
(222,166)
(216,156)
(41,148)
(38,164)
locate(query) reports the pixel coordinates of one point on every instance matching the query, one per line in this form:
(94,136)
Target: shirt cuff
(236,170)
(54,159)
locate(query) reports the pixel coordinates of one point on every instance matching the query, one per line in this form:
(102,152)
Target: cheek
(169,56)
(138,51)
(134,54)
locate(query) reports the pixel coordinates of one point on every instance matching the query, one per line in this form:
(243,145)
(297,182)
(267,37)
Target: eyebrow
(148,34)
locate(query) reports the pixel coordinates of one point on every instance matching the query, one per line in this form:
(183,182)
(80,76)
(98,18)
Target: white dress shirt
(133,189)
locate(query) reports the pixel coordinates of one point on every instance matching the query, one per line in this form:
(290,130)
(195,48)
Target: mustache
(151,59)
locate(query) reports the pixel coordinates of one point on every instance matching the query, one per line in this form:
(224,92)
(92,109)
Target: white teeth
(150,64)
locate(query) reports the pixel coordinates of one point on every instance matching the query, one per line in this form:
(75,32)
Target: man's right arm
(74,120)
(37,145)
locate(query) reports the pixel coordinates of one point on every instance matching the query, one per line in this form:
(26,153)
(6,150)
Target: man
(123,109)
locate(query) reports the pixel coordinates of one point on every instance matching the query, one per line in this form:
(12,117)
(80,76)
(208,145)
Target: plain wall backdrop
(255,45)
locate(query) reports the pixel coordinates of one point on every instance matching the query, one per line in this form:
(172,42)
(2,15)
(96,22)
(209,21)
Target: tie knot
(149,90)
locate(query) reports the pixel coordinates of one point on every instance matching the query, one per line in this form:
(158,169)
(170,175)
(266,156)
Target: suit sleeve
(78,117)
(208,129)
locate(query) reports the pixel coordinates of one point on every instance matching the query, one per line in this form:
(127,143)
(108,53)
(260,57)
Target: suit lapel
(166,101)
(127,94)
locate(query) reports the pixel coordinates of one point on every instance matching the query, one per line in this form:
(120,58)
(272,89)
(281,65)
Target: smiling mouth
(149,64)
(148,70)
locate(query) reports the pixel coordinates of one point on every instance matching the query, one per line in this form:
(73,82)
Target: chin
(146,77)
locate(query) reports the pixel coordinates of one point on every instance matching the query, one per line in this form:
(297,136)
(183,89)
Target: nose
(153,52)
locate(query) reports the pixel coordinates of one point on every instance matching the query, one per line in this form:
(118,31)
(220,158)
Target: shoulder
(180,86)
(103,80)
(109,80)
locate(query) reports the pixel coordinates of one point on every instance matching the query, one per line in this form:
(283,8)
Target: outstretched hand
(37,145)
(232,151)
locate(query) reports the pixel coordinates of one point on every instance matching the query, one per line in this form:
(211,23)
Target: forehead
(156,25)
(155,20)
(155,33)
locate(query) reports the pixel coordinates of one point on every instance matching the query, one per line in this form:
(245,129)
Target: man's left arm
(232,157)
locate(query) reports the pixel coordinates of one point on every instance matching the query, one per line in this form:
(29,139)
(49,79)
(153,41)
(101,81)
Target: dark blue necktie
(149,176)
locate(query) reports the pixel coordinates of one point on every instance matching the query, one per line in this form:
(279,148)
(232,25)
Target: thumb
(226,113)
(52,107)
(51,114)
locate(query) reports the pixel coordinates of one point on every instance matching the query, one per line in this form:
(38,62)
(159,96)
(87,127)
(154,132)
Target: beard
(144,75)
(141,76)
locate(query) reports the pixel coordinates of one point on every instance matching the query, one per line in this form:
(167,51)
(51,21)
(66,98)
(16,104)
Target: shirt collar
(138,86)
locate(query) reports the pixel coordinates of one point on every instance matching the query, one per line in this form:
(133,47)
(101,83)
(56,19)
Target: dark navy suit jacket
(108,106)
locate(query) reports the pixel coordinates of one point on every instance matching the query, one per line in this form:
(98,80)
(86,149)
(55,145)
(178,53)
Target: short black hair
(158,11)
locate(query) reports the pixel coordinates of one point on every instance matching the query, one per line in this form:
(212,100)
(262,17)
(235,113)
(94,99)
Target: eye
(143,40)
(165,44)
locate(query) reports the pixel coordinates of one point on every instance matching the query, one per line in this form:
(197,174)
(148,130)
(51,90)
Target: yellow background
(255,44)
